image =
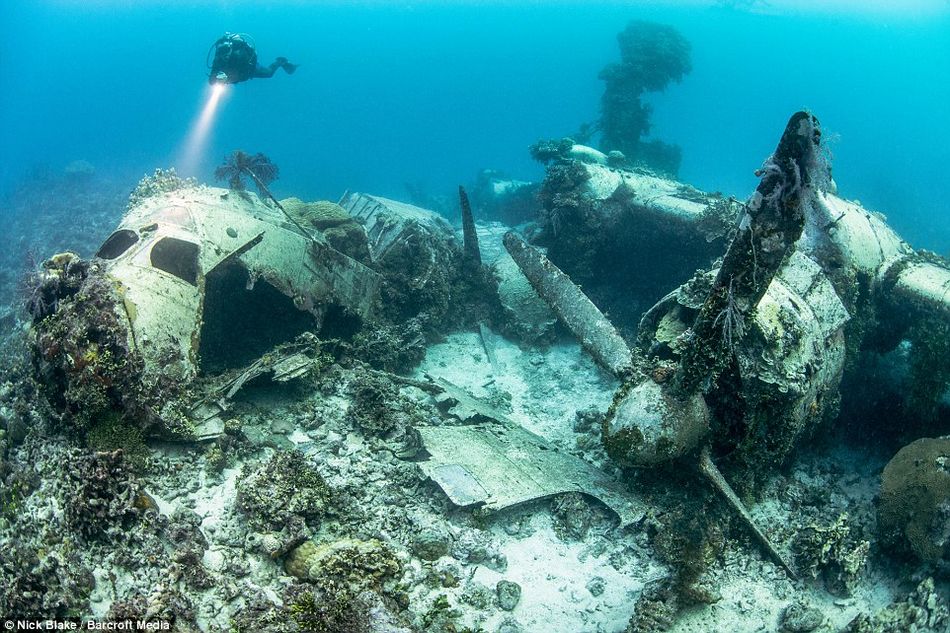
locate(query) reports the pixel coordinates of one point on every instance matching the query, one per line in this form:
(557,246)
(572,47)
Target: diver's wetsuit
(235,61)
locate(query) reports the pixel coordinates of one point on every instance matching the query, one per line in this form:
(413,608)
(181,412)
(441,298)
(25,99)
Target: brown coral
(915,498)
(342,231)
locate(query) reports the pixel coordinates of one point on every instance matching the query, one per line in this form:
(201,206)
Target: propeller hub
(646,425)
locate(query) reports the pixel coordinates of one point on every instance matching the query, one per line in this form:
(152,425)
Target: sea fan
(240,164)
(732,320)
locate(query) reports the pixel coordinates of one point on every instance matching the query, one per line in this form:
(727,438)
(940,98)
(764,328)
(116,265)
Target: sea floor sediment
(179,541)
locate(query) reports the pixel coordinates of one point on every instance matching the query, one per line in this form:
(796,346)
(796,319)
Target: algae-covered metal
(791,357)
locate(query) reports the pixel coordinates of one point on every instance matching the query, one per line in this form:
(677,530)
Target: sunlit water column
(197,142)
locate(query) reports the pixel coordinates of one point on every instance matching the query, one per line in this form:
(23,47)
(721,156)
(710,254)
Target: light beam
(197,142)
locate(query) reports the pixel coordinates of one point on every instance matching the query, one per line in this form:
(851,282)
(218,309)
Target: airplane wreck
(730,327)
(745,358)
(193,281)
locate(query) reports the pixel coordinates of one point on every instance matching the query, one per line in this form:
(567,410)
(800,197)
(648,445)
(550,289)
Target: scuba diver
(235,60)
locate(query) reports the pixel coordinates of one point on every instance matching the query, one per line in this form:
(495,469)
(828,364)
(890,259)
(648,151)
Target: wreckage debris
(390,224)
(417,252)
(730,370)
(491,462)
(494,463)
(627,235)
(717,336)
(282,364)
(652,422)
(712,474)
(469,234)
(775,221)
(187,237)
(527,316)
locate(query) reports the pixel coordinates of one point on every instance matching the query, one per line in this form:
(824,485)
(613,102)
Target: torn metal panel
(498,464)
(389,223)
(284,364)
(458,403)
(459,484)
(495,462)
(313,273)
(530,319)
(208,420)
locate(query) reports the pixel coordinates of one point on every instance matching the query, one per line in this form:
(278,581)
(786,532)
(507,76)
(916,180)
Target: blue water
(390,93)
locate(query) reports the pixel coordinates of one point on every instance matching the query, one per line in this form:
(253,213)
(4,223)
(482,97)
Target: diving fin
(286,65)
